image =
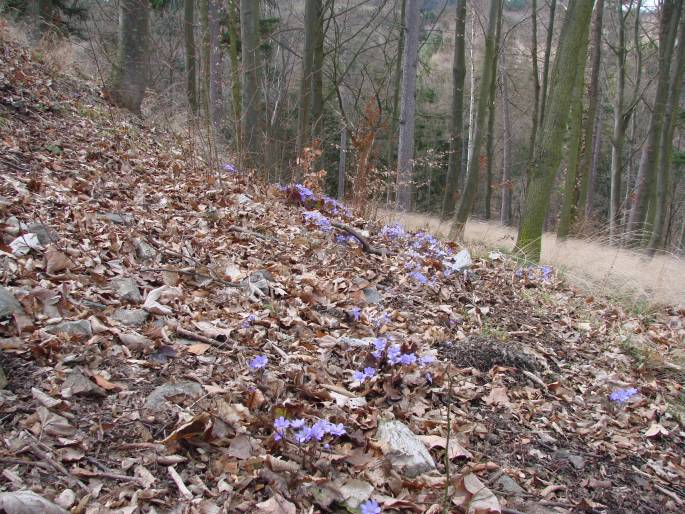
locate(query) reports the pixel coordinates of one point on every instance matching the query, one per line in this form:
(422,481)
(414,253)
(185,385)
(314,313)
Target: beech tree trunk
(233,41)
(484,101)
(215,69)
(405,150)
(312,8)
(129,75)
(490,141)
(397,87)
(547,155)
(251,87)
(505,210)
(189,34)
(457,114)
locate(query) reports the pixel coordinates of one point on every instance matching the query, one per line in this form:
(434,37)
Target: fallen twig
(73,481)
(179,483)
(87,473)
(23,462)
(362,240)
(251,233)
(199,337)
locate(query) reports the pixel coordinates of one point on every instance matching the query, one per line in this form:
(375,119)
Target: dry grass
(590,265)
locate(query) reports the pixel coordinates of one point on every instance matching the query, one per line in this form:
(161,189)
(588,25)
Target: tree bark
(129,75)
(471,186)
(545,65)
(204,61)
(647,171)
(505,210)
(215,69)
(189,34)
(397,77)
(342,162)
(490,141)
(317,72)
(596,149)
(547,156)
(590,123)
(312,7)
(536,78)
(666,144)
(405,150)
(233,41)
(457,118)
(251,87)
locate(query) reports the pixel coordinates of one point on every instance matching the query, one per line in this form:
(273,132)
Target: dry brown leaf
(198,348)
(276,505)
(56,261)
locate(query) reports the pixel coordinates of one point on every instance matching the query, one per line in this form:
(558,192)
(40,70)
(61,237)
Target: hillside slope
(179,338)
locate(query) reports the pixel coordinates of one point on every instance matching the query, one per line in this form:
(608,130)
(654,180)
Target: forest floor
(177,337)
(590,264)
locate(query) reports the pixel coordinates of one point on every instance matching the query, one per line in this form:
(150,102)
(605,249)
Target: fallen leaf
(276,505)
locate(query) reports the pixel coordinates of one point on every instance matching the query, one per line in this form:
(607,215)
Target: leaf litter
(179,337)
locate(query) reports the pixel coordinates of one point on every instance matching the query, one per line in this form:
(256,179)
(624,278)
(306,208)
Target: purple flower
(419,277)
(318,430)
(370,507)
(623,395)
(259,362)
(336,430)
(384,319)
(394,354)
(393,231)
(426,359)
(370,372)
(429,378)
(304,193)
(281,423)
(380,343)
(296,424)
(356,313)
(546,271)
(227,166)
(303,435)
(408,359)
(248,321)
(359,376)
(318,219)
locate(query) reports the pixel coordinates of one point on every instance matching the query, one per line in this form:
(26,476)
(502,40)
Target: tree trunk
(317,73)
(204,61)
(490,141)
(233,42)
(129,76)
(647,171)
(484,101)
(312,7)
(215,69)
(405,150)
(251,88)
(188,31)
(536,78)
(342,161)
(573,155)
(590,123)
(397,77)
(545,65)
(547,156)
(505,210)
(596,149)
(666,144)
(457,118)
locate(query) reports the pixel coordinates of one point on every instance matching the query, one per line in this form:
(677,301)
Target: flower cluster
(344,239)
(334,206)
(230,168)
(419,277)
(383,319)
(259,362)
(622,395)
(355,313)
(543,273)
(393,231)
(362,376)
(370,507)
(395,356)
(247,322)
(303,433)
(318,219)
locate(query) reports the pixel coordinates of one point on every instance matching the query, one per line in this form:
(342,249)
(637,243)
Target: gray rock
(144,251)
(508,485)
(45,234)
(356,343)
(372,296)
(403,449)
(576,461)
(126,289)
(460,261)
(118,219)
(131,317)
(79,327)
(79,384)
(8,303)
(157,397)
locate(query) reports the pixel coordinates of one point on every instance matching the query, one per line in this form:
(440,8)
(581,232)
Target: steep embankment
(179,338)
(586,263)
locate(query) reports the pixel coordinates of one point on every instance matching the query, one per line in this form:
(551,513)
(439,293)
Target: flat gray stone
(45,234)
(157,397)
(8,303)
(460,261)
(355,342)
(403,449)
(118,219)
(373,296)
(131,317)
(79,327)
(508,485)
(126,289)
(144,251)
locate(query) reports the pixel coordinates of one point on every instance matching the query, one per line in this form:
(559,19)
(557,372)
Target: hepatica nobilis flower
(355,313)
(227,166)
(419,277)
(369,507)
(259,362)
(622,395)
(304,433)
(318,219)
(362,376)
(392,231)
(248,321)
